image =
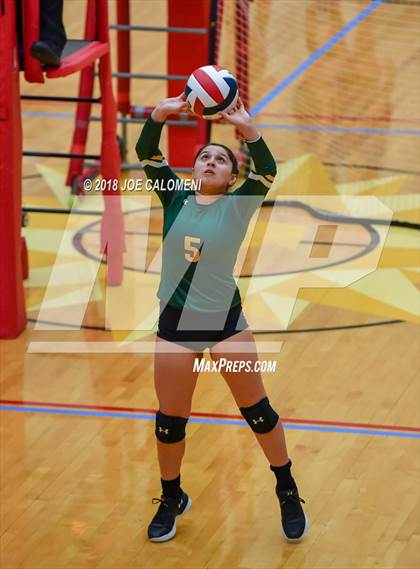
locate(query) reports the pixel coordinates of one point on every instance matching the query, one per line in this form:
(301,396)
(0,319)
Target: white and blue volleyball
(211,89)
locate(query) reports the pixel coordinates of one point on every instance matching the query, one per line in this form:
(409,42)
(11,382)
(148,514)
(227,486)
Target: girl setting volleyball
(200,307)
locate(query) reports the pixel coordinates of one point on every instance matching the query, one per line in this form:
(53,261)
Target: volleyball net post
(185,55)
(12,300)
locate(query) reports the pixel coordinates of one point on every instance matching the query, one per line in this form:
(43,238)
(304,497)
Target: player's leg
(175,381)
(248,390)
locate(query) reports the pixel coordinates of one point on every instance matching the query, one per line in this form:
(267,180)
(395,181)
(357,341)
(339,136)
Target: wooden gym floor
(78,463)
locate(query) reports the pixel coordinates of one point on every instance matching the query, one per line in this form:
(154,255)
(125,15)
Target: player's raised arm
(261,178)
(147,147)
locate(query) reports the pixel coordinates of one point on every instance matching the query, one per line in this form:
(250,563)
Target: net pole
(12,300)
(242,72)
(123,57)
(186,52)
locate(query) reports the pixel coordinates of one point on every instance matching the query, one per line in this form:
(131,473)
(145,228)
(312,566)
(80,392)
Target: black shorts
(219,326)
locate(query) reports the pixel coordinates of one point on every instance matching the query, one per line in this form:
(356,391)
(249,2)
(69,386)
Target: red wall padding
(12,303)
(186,52)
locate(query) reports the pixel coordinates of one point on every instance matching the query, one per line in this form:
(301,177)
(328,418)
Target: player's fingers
(190,111)
(225,118)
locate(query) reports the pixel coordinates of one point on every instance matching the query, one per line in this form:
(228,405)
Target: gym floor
(78,461)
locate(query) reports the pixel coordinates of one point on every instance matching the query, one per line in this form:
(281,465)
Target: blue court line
(315,56)
(86,413)
(352,430)
(307,128)
(354,130)
(212,421)
(49,114)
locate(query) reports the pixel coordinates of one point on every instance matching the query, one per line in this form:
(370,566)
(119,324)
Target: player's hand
(170,106)
(240,118)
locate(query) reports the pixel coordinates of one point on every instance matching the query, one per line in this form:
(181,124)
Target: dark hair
(232,157)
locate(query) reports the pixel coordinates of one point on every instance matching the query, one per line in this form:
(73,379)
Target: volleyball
(211,89)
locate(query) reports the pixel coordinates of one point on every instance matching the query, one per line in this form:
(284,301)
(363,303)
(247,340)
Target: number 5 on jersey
(192,253)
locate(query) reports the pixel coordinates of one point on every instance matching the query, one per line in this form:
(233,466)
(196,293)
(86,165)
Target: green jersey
(201,242)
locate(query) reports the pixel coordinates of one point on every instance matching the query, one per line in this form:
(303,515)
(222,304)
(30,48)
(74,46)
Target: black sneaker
(163,525)
(46,52)
(293,519)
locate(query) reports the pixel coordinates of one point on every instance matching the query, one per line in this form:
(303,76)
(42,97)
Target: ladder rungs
(128,120)
(137,166)
(57,210)
(125,75)
(61,155)
(60,99)
(176,30)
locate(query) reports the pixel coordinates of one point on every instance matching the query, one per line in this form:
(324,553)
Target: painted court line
(337,118)
(205,420)
(49,114)
(349,129)
(290,127)
(315,56)
(148,411)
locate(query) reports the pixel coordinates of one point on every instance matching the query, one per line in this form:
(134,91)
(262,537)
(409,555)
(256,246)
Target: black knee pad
(261,417)
(169,429)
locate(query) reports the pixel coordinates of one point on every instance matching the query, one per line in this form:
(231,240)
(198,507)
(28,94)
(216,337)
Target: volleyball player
(200,307)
